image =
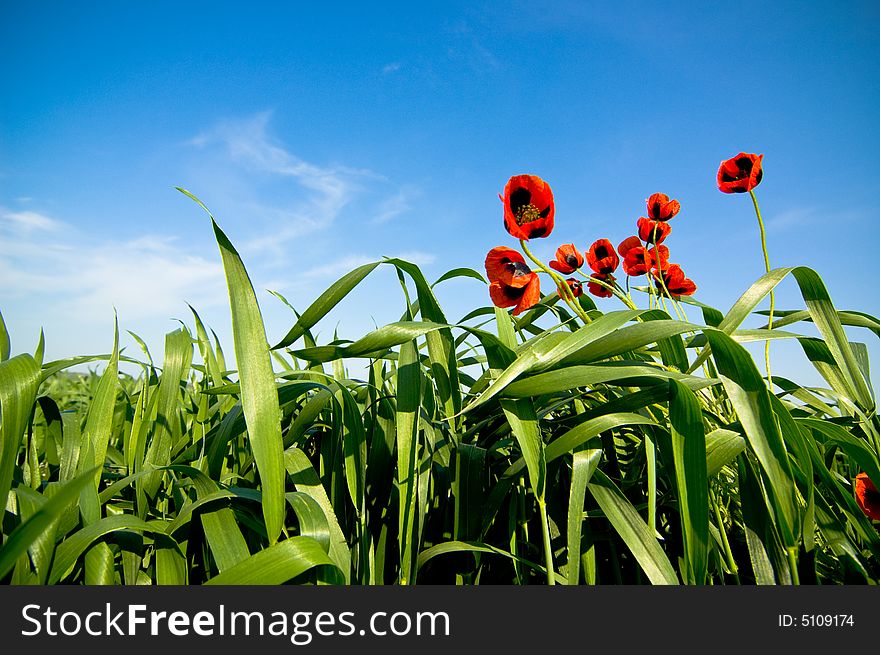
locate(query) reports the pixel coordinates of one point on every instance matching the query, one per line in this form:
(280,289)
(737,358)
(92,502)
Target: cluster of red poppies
(642,254)
(529,212)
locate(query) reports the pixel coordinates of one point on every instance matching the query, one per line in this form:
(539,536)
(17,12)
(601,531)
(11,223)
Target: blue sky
(324,137)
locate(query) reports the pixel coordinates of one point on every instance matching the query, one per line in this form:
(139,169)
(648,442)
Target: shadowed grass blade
(632,529)
(583,464)
(29,531)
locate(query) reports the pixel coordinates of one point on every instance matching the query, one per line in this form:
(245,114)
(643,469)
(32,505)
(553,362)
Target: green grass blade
(4,340)
(409,386)
(325,302)
(376,342)
(632,529)
(29,531)
(178,357)
(722,448)
(19,381)
(312,520)
(259,398)
(749,396)
(523,422)
(306,480)
(583,464)
(689,452)
(75,545)
(543,353)
(826,318)
(277,564)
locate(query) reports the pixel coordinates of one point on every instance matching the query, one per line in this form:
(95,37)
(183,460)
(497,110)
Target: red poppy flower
(568,259)
(674,281)
(661,208)
(653,231)
(740,174)
(511,282)
(598,289)
(659,256)
(867,496)
(602,258)
(576,289)
(636,258)
(528,207)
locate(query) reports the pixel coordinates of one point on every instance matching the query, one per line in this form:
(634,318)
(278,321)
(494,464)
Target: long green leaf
(749,396)
(689,451)
(19,381)
(259,398)
(632,529)
(325,302)
(28,532)
(583,464)
(408,405)
(277,564)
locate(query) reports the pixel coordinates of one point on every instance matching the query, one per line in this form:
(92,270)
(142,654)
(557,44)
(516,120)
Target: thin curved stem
(612,288)
(561,285)
(772,295)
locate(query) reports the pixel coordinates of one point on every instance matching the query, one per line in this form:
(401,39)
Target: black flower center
(518,269)
(523,209)
(571,260)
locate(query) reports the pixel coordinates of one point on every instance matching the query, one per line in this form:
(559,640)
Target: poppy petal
(867,496)
(740,173)
(661,208)
(651,231)
(602,258)
(508,266)
(528,207)
(597,289)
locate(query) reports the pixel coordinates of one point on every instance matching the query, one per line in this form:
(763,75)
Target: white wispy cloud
(28,221)
(70,274)
(327,189)
(393,206)
(391,67)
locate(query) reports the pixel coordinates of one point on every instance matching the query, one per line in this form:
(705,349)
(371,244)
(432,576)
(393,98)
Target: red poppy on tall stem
(528,207)
(598,289)
(576,289)
(602,258)
(740,174)
(511,282)
(674,281)
(661,208)
(636,258)
(653,231)
(867,496)
(568,259)
(659,256)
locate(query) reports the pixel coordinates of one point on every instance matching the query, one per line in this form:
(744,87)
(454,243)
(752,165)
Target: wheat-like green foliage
(636,448)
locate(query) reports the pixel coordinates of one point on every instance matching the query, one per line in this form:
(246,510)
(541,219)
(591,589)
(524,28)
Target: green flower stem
(612,288)
(561,285)
(731,562)
(548,549)
(772,297)
(792,564)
